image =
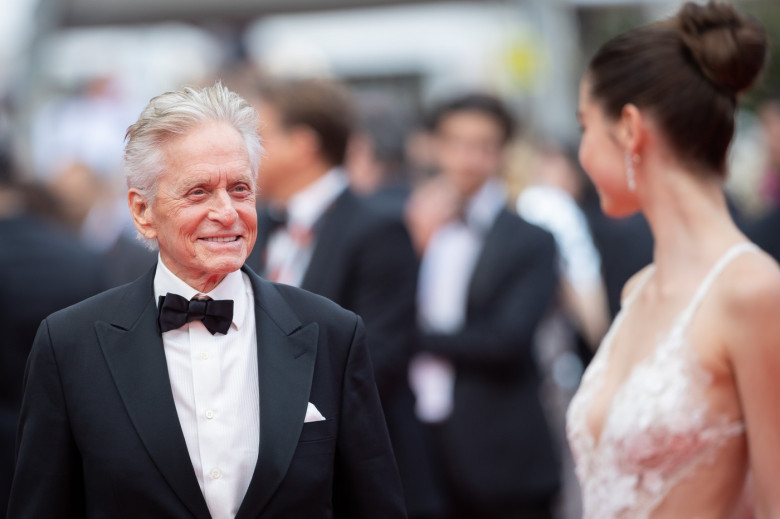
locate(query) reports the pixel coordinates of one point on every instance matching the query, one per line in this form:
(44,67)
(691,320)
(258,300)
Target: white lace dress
(658,428)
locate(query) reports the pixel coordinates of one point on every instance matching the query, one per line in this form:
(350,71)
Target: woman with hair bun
(677,410)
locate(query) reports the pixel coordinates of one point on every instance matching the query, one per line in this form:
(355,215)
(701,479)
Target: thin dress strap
(685,318)
(606,343)
(640,285)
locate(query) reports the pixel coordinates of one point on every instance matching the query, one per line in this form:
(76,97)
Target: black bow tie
(176,311)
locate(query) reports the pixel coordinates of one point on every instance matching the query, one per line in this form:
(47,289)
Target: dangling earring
(630,173)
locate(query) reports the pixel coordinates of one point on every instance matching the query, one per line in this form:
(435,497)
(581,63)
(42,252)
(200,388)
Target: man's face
(469,149)
(279,160)
(204,215)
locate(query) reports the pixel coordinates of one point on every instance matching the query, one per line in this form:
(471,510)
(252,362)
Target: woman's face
(602,157)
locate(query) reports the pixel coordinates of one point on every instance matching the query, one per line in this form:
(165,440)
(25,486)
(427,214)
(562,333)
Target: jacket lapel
(490,263)
(286,353)
(331,233)
(133,349)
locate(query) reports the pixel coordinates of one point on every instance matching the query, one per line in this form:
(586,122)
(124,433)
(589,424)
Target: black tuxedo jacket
(496,444)
(99,435)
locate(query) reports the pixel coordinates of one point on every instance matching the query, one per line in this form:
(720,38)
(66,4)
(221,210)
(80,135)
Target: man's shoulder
(102,306)
(514,227)
(280,299)
(309,306)
(365,216)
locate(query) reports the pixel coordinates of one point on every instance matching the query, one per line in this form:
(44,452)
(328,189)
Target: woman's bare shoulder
(634,281)
(753,284)
(751,301)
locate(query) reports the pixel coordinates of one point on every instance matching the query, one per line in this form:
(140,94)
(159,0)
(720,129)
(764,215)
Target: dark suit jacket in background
(766,232)
(42,269)
(363,260)
(496,445)
(100,438)
(125,260)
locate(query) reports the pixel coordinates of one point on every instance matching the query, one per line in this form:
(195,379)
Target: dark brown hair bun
(687,72)
(729,48)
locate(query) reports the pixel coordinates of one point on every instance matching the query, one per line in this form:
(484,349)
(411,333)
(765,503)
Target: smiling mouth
(221,240)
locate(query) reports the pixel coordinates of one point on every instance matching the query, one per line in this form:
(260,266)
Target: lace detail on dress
(658,428)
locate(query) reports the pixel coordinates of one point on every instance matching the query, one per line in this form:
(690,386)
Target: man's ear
(141,211)
(632,131)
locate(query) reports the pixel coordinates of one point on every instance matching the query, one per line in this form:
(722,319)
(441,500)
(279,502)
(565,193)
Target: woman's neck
(690,222)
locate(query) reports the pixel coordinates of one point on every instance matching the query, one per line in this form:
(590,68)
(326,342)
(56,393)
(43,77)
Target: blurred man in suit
(315,233)
(42,269)
(201,390)
(486,281)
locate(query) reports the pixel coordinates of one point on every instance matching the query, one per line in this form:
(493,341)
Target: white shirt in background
(290,247)
(556,211)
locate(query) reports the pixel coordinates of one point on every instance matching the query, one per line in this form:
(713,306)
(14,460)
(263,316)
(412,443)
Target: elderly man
(201,390)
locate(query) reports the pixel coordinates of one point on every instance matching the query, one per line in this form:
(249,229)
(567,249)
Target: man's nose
(222,208)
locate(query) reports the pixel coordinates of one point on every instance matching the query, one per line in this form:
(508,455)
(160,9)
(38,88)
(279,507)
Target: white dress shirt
(442,295)
(290,247)
(215,388)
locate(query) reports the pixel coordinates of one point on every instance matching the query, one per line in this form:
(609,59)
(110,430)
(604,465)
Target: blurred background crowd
(480,313)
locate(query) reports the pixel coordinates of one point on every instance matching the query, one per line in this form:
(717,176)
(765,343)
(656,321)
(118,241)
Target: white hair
(175,113)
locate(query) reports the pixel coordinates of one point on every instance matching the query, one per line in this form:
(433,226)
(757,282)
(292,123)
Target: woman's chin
(618,211)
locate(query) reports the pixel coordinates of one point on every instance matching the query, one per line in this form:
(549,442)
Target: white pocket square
(313,414)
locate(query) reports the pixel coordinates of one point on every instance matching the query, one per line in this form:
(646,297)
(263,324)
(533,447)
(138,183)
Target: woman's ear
(141,211)
(632,131)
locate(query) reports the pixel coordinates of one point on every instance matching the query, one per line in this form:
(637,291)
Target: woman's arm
(753,345)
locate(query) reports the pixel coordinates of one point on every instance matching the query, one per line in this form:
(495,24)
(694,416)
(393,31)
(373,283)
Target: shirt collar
(483,207)
(234,287)
(306,206)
